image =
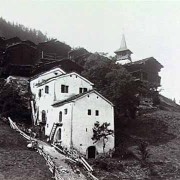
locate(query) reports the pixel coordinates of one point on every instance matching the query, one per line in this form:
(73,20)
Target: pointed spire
(123,43)
(123,54)
(123,46)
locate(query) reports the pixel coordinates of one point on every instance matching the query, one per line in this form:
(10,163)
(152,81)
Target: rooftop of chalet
(143,61)
(22,43)
(65,64)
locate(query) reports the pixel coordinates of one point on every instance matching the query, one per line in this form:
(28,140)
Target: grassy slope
(161,130)
(17,162)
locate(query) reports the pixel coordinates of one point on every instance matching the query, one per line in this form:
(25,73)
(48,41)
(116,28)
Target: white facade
(45,76)
(45,97)
(84,123)
(70,101)
(122,62)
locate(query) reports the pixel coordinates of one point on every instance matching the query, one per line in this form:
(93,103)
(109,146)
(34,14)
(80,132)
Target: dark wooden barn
(53,49)
(146,70)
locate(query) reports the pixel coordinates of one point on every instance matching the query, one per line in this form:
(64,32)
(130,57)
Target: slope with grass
(17,162)
(161,130)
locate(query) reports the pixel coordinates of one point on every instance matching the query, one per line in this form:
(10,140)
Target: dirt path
(16,161)
(60,161)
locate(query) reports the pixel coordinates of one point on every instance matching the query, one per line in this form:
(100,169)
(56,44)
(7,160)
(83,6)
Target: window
(65,111)
(40,93)
(44,116)
(89,111)
(97,113)
(82,90)
(60,116)
(64,88)
(47,89)
(59,134)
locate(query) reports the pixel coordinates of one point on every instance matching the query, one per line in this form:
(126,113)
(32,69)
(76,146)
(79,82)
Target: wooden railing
(72,155)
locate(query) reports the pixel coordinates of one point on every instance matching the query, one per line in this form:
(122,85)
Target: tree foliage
(101,132)
(15,98)
(9,30)
(115,83)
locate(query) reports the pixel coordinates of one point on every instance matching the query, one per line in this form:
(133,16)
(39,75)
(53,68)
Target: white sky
(151,28)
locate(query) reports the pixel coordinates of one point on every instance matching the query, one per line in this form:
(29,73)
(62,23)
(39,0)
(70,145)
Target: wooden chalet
(53,49)
(146,70)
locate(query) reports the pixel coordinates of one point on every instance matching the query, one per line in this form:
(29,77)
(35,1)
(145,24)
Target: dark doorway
(91,152)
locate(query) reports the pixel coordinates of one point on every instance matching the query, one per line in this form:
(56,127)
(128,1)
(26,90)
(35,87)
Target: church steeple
(123,54)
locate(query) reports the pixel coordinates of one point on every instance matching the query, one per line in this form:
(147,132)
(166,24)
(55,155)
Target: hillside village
(60,93)
(69,93)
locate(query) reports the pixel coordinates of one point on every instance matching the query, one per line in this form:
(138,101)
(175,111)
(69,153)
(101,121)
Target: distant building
(25,58)
(146,70)
(67,106)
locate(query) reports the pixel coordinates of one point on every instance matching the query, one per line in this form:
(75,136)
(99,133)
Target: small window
(43,116)
(40,93)
(59,134)
(97,113)
(65,111)
(89,111)
(64,88)
(47,89)
(82,90)
(60,116)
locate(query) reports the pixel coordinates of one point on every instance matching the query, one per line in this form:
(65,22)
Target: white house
(68,107)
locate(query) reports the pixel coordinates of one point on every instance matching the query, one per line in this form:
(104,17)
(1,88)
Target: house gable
(80,96)
(63,76)
(55,71)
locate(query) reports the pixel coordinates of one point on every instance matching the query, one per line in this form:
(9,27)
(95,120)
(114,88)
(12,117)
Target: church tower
(123,54)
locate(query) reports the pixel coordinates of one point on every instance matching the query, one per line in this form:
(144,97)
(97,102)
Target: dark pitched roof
(20,44)
(60,103)
(143,61)
(65,64)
